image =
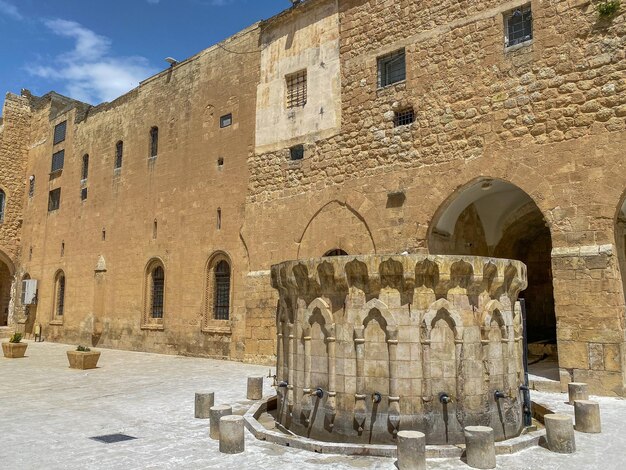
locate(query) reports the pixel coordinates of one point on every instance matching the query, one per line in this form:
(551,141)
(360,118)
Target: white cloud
(10,10)
(153,2)
(89,70)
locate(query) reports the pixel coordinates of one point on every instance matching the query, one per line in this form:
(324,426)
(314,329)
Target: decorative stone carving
(367,344)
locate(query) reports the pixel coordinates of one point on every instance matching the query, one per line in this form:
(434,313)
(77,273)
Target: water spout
(444,398)
(376,397)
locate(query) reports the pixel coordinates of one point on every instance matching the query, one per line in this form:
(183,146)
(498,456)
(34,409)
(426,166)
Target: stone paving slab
(49,412)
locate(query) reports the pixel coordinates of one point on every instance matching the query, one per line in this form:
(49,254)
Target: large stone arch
(335,225)
(7,288)
(493,217)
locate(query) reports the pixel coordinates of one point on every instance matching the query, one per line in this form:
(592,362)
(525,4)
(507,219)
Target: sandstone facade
(514,152)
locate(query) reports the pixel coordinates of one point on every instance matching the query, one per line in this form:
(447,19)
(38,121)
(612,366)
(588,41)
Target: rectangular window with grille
(158,289)
(404,117)
(519,26)
(59,132)
(54,200)
(296,152)
(31,186)
(222,300)
(58,158)
(392,68)
(83,194)
(296,89)
(61,296)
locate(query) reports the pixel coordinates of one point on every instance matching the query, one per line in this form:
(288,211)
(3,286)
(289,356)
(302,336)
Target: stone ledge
(582,251)
(510,446)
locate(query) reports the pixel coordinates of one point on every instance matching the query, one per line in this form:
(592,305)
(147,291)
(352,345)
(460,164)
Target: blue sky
(96,50)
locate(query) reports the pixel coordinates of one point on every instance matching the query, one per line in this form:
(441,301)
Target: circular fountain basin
(370,345)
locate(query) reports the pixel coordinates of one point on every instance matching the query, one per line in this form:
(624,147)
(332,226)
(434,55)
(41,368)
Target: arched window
(221,307)
(154,141)
(119,154)
(85,171)
(154,295)
(2,203)
(218,290)
(59,294)
(157,294)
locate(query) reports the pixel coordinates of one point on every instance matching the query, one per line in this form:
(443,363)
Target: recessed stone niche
(370,345)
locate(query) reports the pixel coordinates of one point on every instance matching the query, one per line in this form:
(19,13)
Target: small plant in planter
(608,8)
(83,358)
(14,348)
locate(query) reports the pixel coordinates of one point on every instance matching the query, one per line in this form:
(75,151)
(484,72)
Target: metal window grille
(59,132)
(158,288)
(226,120)
(31,186)
(404,117)
(296,89)
(83,194)
(154,141)
(60,295)
(519,26)
(2,202)
(296,152)
(54,199)
(119,154)
(222,291)
(58,160)
(392,68)
(85,171)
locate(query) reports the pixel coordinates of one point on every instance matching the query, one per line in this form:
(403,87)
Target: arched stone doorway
(6,286)
(620,239)
(491,217)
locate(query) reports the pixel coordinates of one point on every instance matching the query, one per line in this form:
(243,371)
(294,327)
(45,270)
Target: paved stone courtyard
(49,412)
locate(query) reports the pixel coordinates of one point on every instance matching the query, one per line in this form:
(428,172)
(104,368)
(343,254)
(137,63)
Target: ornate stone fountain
(370,345)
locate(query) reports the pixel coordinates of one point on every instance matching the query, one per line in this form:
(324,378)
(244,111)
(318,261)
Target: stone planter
(14,350)
(83,359)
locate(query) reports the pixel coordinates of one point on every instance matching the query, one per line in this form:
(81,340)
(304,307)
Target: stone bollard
(204,402)
(411,450)
(255,388)
(577,391)
(480,447)
(560,433)
(232,439)
(218,412)
(587,416)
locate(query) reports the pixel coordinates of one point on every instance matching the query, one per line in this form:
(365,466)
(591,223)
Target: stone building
(336,127)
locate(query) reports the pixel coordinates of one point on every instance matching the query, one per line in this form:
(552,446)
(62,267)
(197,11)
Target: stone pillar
(216,413)
(577,391)
(204,402)
(560,433)
(480,447)
(255,388)
(587,416)
(232,438)
(411,450)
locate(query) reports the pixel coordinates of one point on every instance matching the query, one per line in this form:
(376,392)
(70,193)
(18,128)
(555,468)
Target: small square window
(296,152)
(392,68)
(404,117)
(83,194)
(296,89)
(518,26)
(54,200)
(220,162)
(59,132)
(226,120)
(58,159)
